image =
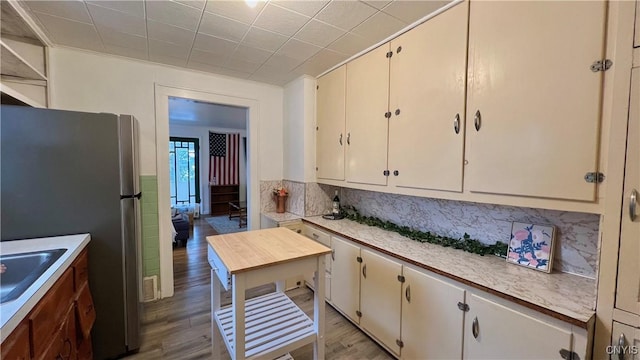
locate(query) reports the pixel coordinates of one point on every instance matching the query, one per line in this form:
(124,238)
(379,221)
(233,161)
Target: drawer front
(16,345)
(63,343)
(295,226)
(85,311)
(221,270)
(321,237)
(46,318)
(80,270)
(317,235)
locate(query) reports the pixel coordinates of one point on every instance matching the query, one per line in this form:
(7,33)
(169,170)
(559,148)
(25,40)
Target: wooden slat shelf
(272,321)
(221,195)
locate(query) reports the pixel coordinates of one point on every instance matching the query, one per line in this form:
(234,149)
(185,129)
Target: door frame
(162,94)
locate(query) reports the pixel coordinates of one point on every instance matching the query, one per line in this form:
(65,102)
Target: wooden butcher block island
(271,325)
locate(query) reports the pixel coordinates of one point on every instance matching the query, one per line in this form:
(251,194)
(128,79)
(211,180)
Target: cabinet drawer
(85,311)
(46,318)
(63,343)
(16,346)
(293,226)
(317,235)
(80,270)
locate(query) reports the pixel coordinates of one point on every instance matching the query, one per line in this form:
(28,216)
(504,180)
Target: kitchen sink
(24,269)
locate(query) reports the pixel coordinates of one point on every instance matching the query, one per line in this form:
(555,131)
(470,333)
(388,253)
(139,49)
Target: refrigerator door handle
(136,196)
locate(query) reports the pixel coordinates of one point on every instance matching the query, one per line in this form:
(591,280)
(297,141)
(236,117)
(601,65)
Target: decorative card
(531,246)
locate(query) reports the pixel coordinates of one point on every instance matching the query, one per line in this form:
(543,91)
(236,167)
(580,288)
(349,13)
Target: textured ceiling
(274,42)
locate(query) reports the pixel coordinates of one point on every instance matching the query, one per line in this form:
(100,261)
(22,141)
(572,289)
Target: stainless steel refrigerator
(66,172)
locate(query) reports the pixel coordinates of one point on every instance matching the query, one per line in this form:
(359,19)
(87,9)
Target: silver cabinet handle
(340,141)
(349,138)
(622,341)
(407,293)
(475,327)
(315,236)
(633,201)
(456,123)
(333,254)
(364,271)
(477,120)
(299,231)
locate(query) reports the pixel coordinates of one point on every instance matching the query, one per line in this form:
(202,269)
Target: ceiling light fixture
(251,3)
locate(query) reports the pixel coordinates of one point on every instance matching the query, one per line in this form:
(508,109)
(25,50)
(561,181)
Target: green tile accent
(150,226)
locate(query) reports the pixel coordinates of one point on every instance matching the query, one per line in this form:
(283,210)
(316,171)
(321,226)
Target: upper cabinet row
(486,97)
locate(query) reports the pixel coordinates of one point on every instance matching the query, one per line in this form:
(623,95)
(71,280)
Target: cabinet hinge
(568,355)
(399,343)
(389,54)
(358,313)
(359,259)
(594,177)
(462,306)
(385,173)
(401,278)
(601,65)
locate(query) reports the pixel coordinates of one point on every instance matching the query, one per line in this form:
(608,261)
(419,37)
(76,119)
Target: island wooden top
(250,250)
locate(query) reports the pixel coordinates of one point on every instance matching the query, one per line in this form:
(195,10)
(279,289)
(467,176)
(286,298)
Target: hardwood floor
(180,327)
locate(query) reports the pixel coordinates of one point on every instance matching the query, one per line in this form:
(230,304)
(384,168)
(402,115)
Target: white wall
(84,81)
(202,133)
(299,130)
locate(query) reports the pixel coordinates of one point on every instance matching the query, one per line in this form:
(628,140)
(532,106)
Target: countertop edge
(75,244)
(557,315)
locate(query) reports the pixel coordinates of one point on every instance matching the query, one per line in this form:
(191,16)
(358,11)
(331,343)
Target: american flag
(224,150)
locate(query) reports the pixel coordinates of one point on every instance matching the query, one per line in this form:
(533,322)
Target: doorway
(163,94)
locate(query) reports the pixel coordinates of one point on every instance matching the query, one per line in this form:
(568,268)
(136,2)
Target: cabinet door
(537,100)
(628,287)
(16,345)
(427,99)
(380,298)
(345,278)
(431,319)
(503,333)
(366,124)
(330,136)
(625,342)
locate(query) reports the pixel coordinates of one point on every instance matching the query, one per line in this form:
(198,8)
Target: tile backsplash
(576,245)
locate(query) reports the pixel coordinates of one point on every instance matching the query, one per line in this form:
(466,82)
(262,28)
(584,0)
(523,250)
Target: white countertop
(278,217)
(13,312)
(564,296)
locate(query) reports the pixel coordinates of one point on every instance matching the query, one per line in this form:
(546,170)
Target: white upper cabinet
(628,287)
(533,106)
(367,127)
(427,102)
(330,135)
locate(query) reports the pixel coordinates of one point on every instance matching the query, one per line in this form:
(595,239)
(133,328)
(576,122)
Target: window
(184,170)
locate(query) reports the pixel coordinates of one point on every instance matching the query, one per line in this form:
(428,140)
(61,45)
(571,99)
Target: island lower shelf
(273,323)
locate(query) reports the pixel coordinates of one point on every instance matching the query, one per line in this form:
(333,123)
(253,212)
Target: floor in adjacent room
(179,327)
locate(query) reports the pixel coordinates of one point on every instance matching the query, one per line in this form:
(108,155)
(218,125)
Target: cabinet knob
(397,112)
(622,341)
(407,293)
(477,120)
(475,328)
(340,140)
(633,201)
(364,271)
(396,172)
(456,123)
(349,138)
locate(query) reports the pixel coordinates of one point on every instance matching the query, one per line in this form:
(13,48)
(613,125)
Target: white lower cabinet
(345,280)
(494,331)
(431,319)
(380,287)
(625,342)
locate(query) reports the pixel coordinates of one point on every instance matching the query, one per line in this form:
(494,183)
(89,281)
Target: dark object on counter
(333,216)
(67,172)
